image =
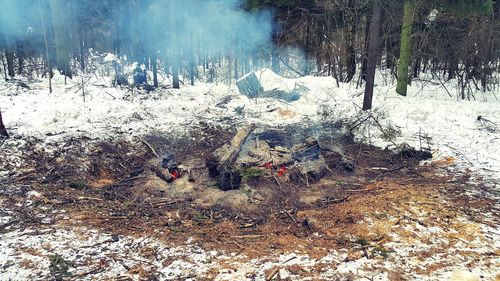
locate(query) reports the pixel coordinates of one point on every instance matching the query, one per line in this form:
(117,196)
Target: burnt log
(310,164)
(308,172)
(220,163)
(309,150)
(162,174)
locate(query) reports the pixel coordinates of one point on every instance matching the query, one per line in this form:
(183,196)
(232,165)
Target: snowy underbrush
(428,117)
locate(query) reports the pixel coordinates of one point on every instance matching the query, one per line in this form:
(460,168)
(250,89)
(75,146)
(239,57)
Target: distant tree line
(446,39)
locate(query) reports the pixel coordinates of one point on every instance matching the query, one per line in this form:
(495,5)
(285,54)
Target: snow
(111,58)
(113,112)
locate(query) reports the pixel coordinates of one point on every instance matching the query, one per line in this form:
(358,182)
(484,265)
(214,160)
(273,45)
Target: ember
(267,165)
(282,171)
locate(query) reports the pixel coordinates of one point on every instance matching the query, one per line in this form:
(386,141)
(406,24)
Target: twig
(293,219)
(110,95)
(150,147)
(82,198)
(272,274)
(93,271)
(449,94)
(166,202)
(275,178)
(104,218)
(133,178)
(250,236)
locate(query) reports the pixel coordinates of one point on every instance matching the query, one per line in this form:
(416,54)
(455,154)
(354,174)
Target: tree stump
(220,164)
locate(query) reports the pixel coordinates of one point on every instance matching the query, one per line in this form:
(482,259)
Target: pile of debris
(252,87)
(269,153)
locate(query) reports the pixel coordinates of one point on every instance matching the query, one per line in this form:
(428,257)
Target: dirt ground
(386,200)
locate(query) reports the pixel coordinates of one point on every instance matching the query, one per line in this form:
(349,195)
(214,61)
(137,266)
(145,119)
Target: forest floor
(74,207)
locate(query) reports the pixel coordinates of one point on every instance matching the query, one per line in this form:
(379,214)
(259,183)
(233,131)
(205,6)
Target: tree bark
(3,131)
(372,55)
(405,48)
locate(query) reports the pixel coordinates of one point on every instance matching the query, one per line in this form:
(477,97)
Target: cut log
(220,164)
(249,85)
(3,131)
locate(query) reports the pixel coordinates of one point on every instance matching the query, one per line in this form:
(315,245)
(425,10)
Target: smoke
(16,22)
(218,26)
(185,30)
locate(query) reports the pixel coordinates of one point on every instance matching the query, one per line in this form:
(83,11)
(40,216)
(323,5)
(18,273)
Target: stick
(150,147)
(293,219)
(272,274)
(82,198)
(166,202)
(247,236)
(93,271)
(104,218)
(133,178)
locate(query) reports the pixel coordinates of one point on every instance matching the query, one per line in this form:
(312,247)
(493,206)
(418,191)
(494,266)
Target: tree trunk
(372,55)
(364,63)
(405,48)
(81,48)
(175,50)
(275,55)
(417,67)
(3,131)
(20,57)
(61,36)
(275,60)
(10,63)
(350,36)
(47,52)
(154,63)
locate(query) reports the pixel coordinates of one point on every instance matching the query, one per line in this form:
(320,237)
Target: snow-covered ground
(107,112)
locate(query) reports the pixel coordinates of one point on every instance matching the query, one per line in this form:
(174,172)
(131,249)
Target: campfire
(269,153)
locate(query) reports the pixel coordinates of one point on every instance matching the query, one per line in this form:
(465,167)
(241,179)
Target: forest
(249,139)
